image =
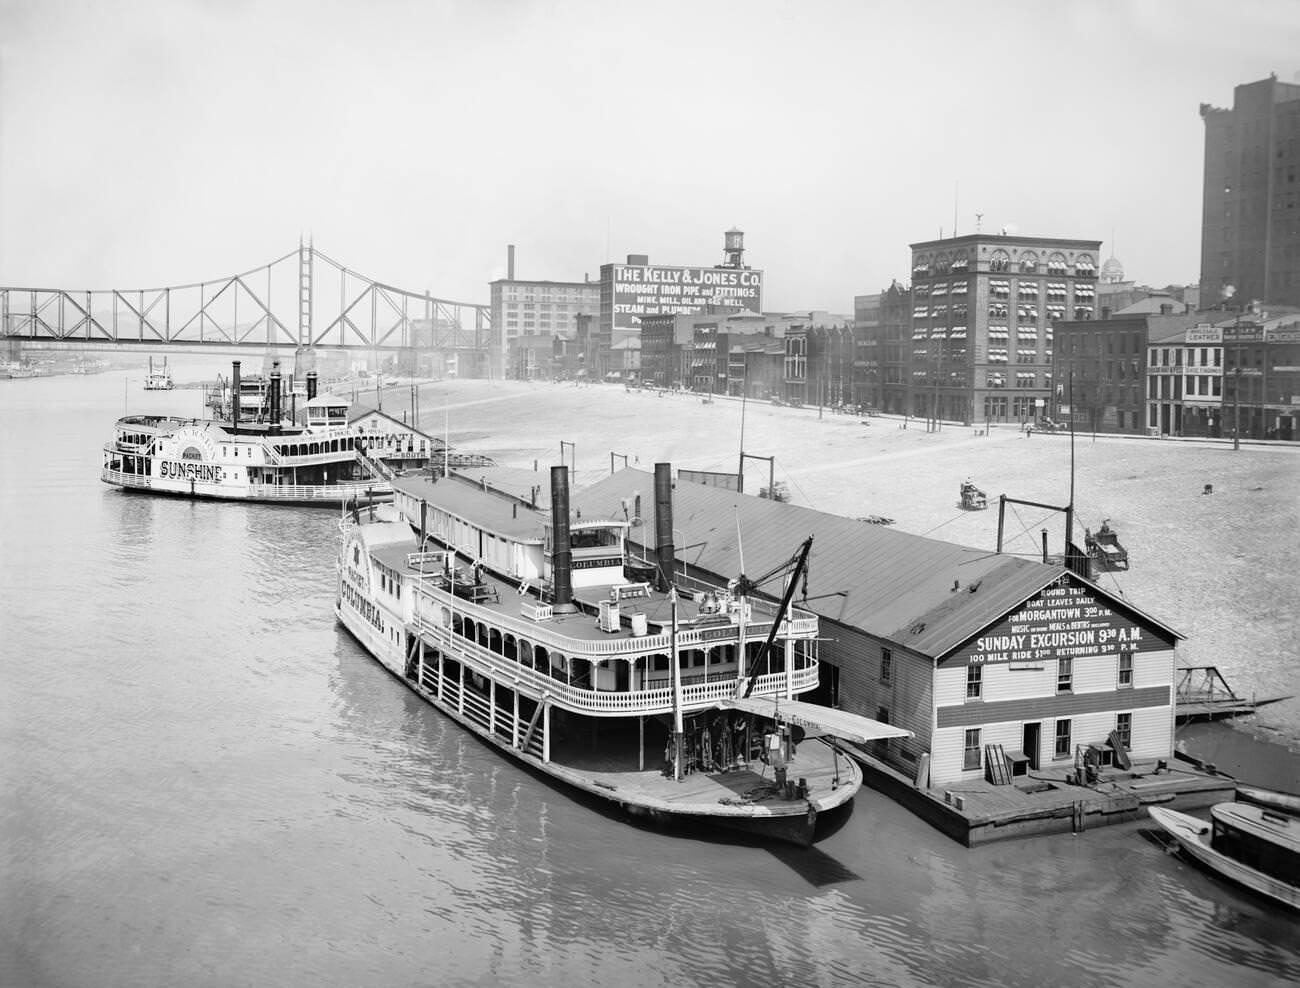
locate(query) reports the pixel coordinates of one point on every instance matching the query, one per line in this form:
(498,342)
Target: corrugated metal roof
(895,586)
(515,481)
(495,513)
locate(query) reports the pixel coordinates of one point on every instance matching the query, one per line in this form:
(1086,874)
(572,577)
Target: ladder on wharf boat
(997,765)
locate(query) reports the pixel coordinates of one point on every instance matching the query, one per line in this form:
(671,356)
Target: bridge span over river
(304,302)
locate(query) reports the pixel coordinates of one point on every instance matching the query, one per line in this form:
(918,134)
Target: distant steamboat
(261,458)
(673,700)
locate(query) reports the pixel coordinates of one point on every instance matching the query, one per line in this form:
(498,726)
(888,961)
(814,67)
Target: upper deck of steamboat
(619,615)
(288,443)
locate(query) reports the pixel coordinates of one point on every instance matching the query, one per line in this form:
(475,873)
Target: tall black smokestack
(561,552)
(275,396)
(234,393)
(664,523)
(510,262)
(311,385)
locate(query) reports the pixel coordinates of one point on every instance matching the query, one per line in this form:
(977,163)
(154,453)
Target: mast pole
(1069,507)
(677,692)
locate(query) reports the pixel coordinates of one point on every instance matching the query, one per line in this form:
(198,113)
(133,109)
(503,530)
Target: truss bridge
(303,301)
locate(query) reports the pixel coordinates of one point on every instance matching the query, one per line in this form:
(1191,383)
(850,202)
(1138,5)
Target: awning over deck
(817,720)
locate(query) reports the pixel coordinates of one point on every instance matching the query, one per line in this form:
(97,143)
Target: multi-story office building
(1101,370)
(535,308)
(1250,221)
(880,367)
(819,356)
(1238,376)
(982,312)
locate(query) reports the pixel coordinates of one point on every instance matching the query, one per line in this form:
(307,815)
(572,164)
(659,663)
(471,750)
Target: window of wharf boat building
(961,646)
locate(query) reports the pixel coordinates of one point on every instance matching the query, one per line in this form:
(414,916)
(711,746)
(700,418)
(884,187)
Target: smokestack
(311,385)
(510,262)
(275,396)
(234,393)
(424,522)
(664,524)
(561,552)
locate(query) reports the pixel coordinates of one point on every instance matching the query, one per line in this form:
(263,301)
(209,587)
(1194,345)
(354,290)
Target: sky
(145,144)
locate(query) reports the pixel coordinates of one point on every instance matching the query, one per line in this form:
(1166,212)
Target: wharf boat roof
(922,594)
(492,511)
(518,482)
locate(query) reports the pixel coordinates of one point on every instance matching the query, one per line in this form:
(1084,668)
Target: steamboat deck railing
(324,493)
(536,683)
(621,647)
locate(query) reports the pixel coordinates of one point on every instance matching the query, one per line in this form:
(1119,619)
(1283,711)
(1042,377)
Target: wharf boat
(259,458)
(1253,846)
(158,380)
(673,700)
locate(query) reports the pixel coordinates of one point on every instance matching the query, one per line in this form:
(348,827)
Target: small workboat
(1270,799)
(1250,845)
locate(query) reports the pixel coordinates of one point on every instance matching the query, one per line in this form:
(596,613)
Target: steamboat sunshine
(249,453)
(674,702)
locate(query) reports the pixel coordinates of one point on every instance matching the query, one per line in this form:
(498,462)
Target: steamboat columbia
(623,679)
(250,451)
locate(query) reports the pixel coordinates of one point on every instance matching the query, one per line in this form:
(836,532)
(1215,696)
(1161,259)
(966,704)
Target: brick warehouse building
(963,647)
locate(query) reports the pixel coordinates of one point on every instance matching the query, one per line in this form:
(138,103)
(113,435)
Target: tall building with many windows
(1250,219)
(982,312)
(535,308)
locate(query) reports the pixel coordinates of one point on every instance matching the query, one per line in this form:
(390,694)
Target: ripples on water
(207,783)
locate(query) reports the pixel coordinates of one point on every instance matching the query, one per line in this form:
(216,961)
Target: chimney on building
(510,262)
(1166,308)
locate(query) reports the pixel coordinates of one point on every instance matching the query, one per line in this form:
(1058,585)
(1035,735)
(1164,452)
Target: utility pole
(1236,387)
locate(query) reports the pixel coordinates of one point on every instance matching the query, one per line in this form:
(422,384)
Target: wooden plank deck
(1045,802)
(745,791)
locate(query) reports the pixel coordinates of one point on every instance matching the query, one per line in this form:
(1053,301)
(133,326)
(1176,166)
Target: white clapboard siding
(1095,674)
(1154,668)
(949,750)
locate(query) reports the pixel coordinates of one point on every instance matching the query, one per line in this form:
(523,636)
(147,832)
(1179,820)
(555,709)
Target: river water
(207,783)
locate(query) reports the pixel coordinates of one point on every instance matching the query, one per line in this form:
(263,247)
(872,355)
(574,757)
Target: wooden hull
(321,495)
(1193,836)
(1268,798)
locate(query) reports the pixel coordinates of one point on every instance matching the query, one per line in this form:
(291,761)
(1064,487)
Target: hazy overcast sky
(144,144)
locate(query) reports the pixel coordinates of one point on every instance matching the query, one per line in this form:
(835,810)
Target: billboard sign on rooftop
(646,289)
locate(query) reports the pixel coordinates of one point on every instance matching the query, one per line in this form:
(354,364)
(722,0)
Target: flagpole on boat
(677,692)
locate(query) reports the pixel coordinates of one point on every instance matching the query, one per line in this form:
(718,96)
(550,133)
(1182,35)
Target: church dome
(1112,271)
